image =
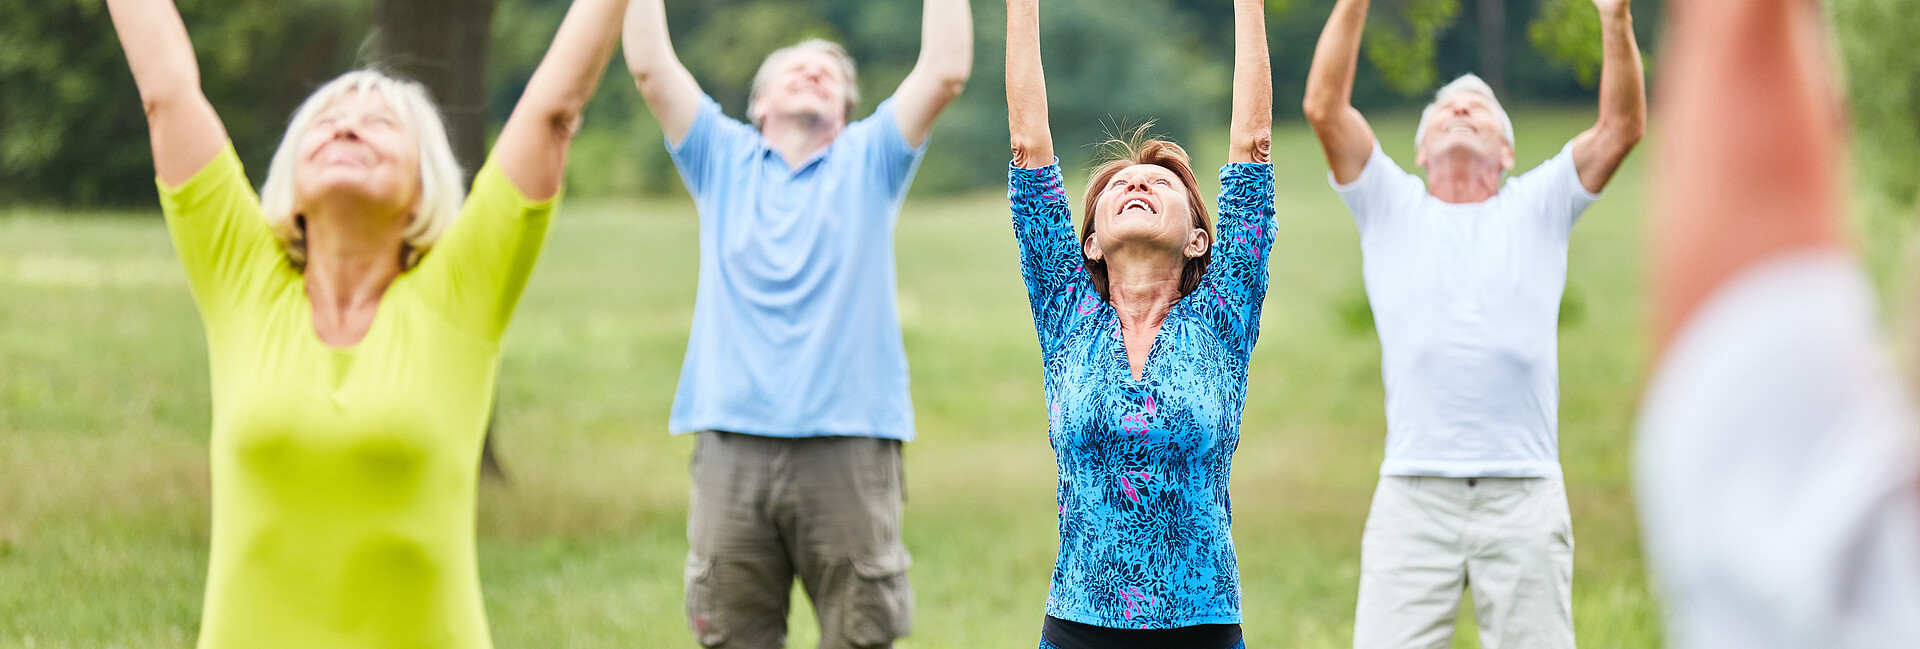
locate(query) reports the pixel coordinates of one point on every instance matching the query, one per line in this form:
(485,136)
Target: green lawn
(104,417)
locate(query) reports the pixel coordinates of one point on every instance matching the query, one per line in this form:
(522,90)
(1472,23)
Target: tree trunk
(1493,44)
(443,44)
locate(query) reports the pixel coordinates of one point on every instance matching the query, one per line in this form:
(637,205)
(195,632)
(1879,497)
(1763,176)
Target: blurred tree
(442,44)
(1493,44)
(1403,38)
(1875,39)
(71,127)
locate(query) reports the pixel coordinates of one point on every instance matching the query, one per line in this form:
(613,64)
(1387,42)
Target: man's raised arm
(946,60)
(1597,153)
(665,84)
(1344,133)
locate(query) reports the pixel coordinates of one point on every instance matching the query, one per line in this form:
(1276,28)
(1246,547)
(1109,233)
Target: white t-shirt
(1466,298)
(1777,476)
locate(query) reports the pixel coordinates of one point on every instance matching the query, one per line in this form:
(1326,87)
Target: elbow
(1627,132)
(1252,144)
(153,104)
(953,84)
(563,116)
(1026,151)
(1317,112)
(1634,132)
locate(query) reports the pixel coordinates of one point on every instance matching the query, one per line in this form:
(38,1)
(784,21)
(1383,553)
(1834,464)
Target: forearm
(946,44)
(571,70)
(157,48)
(1252,122)
(1335,57)
(532,148)
(1623,93)
(1027,87)
(649,49)
(946,60)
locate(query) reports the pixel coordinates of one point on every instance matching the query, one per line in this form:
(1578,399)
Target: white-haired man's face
(1465,126)
(805,84)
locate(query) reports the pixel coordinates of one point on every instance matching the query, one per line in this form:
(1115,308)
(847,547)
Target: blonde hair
(830,48)
(442,189)
(1467,83)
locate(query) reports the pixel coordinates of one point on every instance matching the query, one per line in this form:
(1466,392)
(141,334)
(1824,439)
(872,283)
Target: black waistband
(1074,635)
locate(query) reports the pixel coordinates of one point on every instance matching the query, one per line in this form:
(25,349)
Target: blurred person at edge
(1465,275)
(1777,469)
(1146,320)
(795,377)
(353,311)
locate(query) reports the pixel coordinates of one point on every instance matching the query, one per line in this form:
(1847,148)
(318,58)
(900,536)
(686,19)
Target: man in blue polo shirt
(795,374)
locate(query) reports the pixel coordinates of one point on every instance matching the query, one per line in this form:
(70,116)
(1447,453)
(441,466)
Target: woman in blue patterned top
(1146,322)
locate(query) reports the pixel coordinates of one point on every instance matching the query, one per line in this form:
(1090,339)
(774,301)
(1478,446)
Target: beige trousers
(1428,539)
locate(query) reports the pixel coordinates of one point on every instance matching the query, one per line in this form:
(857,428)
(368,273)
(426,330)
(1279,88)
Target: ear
(1420,156)
(1091,248)
(1197,243)
(1506,158)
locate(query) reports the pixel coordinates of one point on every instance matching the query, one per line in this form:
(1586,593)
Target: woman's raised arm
(1027,87)
(1251,132)
(532,149)
(185,131)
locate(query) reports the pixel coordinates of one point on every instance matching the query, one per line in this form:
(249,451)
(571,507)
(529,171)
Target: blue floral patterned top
(1145,539)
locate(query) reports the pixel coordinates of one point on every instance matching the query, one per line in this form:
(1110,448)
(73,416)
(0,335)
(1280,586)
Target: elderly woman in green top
(354,312)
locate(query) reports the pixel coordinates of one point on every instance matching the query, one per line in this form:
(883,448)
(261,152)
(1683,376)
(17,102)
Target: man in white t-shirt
(1777,468)
(1465,276)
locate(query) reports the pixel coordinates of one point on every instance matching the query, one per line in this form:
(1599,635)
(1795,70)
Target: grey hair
(441,189)
(1467,83)
(831,48)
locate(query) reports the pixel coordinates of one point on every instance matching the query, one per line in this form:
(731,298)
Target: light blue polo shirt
(796,332)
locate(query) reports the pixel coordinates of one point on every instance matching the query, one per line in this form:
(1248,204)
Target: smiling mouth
(1139,203)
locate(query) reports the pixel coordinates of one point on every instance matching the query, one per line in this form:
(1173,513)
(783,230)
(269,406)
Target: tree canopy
(71,131)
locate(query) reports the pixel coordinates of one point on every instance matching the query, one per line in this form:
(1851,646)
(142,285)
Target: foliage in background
(71,126)
(1568,31)
(1876,40)
(71,131)
(1402,41)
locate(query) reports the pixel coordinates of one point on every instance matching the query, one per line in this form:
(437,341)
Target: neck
(1460,177)
(798,137)
(1143,290)
(350,267)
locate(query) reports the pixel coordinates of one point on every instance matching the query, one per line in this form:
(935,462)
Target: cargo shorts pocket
(704,616)
(882,607)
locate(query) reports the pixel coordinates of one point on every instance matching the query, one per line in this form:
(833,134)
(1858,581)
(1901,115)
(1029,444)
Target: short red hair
(1138,150)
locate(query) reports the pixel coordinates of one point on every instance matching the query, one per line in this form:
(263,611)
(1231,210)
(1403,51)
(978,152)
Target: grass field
(104,419)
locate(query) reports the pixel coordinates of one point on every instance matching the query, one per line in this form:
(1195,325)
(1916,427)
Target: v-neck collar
(1153,349)
(767,151)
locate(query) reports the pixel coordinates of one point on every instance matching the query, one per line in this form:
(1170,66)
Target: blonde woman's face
(357,150)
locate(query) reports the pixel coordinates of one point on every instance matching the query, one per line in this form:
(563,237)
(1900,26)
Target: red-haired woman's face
(1143,206)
